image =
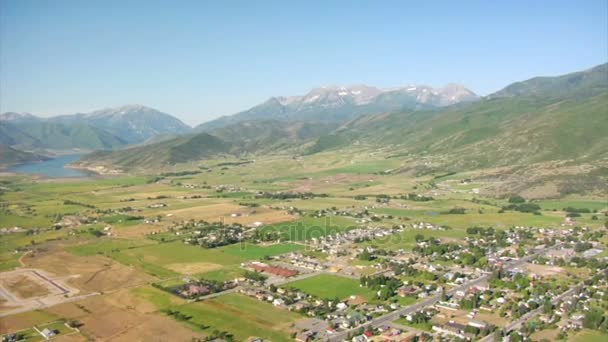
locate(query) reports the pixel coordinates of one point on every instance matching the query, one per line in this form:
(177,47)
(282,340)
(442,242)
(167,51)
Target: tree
(593,318)
(517,199)
(365,255)
(498,335)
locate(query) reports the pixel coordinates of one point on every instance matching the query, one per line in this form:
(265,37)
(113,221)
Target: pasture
(331,286)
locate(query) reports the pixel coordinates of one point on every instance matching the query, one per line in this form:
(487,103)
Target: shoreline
(97,170)
(12,170)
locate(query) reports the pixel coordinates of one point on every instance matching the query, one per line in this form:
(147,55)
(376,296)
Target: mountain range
(527,122)
(534,121)
(279,121)
(339,104)
(103,129)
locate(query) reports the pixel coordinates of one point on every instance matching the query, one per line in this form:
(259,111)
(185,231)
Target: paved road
(385,319)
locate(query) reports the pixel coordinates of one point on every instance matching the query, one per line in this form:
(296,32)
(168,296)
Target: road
(385,319)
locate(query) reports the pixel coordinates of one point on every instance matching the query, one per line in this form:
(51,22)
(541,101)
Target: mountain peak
(13,116)
(121,110)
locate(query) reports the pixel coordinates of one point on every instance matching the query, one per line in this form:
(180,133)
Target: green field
(407,239)
(587,335)
(331,286)
(309,227)
(250,251)
(242,316)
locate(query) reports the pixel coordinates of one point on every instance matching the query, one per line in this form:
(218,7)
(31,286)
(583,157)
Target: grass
(309,227)
(331,286)
(12,242)
(428,326)
(407,239)
(30,335)
(587,335)
(9,261)
(250,251)
(224,274)
(574,203)
(56,326)
(473,218)
(25,320)
(178,252)
(121,251)
(106,246)
(159,298)
(156,259)
(241,316)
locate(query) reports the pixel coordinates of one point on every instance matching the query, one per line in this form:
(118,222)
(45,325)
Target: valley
(404,215)
(137,249)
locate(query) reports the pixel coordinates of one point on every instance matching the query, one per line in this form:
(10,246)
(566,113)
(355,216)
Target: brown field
(67,310)
(194,267)
(72,337)
(25,320)
(549,334)
(267,216)
(313,185)
(460,316)
(545,270)
(24,286)
(89,274)
(135,232)
(122,316)
(492,318)
(157,328)
(208,212)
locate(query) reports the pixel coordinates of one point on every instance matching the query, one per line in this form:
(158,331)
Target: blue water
(54,168)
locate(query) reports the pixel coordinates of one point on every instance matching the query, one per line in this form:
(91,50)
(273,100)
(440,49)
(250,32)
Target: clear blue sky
(201,59)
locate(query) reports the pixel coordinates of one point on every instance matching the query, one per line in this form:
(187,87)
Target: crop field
(331,286)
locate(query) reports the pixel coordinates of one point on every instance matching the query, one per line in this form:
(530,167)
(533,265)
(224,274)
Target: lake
(54,168)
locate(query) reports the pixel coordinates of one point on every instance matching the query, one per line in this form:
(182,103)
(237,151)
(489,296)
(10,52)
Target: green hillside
(525,123)
(170,152)
(11,156)
(49,135)
(261,136)
(500,130)
(584,83)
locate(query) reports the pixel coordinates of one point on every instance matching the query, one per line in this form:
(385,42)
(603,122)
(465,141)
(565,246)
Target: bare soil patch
(544,270)
(24,286)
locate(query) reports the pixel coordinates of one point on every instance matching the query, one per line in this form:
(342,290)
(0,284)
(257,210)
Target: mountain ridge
(493,131)
(341,103)
(107,128)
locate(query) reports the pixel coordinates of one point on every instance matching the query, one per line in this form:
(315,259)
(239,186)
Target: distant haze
(201,60)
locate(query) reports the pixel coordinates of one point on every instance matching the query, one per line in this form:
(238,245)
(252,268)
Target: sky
(198,60)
